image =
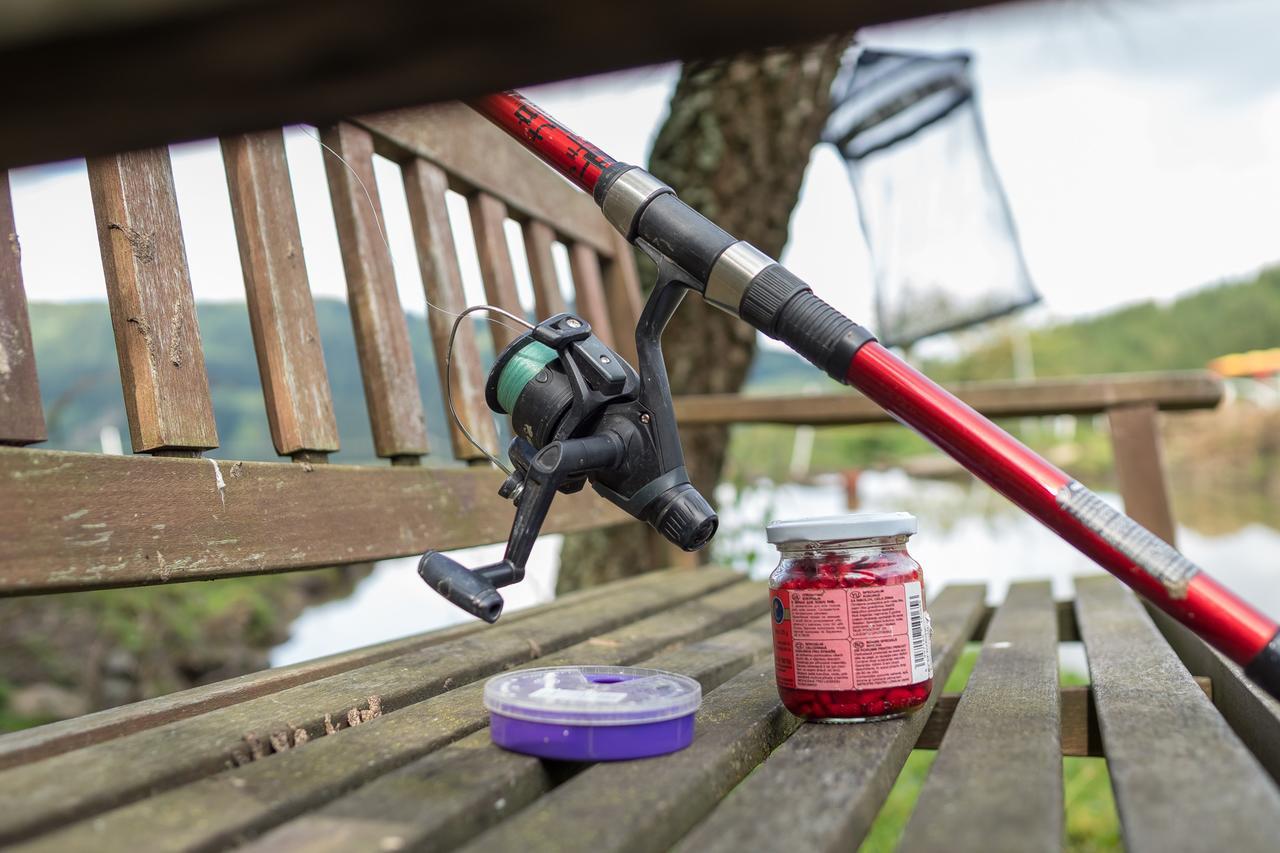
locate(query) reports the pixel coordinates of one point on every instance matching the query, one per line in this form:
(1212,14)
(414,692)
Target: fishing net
(937,224)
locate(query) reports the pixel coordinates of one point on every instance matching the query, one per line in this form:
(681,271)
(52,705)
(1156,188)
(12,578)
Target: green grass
(1091,820)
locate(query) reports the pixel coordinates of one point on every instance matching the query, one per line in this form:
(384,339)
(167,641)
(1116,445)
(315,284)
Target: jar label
(858,638)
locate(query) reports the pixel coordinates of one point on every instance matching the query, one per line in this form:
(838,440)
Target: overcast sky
(1138,142)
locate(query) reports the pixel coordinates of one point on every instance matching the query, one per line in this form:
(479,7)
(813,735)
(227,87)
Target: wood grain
(1006,732)
(166,390)
(282,315)
(56,738)
(425,185)
(857,764)
(78,520)
(1087,395)
(1135,446)
(449,796)
(479,157)
(624,297)
(21,413)
(538,239)
(648,805)
(1182,779)
(584,263)
(1080,735)
(382,335)
(228,806)
(488,215)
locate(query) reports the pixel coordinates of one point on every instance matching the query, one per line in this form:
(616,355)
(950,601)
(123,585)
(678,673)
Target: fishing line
(458,316)
(377,220)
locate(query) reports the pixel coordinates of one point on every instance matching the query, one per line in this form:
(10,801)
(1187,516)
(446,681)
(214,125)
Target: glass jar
(850,629)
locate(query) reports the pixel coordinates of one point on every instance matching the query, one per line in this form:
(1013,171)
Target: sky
(1138,143)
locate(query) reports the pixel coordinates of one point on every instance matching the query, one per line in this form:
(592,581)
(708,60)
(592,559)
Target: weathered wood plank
(648,805)
(1080,735)
(857,764)
(282,316)
(538,239)
(21,414)
(1253,715)
(220,66)
(624,297)
(166,390)
(1135,446)
(1082,396)
(481,158)
(584,263)
(382,335)
(74,517)
(1068,632)
(1182,779)
(488,215)
(425,185)
(1006,732)
(444,799)
(215,811)
(56,738)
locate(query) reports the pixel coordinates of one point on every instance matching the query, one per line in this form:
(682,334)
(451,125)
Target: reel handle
(473,590)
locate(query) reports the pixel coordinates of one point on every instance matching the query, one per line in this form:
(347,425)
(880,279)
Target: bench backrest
(75,520)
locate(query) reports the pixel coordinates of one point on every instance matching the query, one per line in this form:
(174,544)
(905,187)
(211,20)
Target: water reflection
(968,534)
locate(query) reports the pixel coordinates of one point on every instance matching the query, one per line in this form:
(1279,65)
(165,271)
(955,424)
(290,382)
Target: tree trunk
(735,146)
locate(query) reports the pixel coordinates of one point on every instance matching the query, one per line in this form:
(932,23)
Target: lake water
(967,534)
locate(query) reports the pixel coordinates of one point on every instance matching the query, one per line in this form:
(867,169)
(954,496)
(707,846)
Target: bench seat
(386,748)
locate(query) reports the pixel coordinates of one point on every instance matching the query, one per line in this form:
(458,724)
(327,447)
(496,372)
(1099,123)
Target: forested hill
(1184,334)
(80,382)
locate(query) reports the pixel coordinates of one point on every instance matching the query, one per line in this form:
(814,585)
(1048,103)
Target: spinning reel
(581,414)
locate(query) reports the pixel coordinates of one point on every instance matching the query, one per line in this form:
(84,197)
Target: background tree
(735,145)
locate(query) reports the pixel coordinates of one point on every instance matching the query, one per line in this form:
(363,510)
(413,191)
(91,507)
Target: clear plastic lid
(592,695)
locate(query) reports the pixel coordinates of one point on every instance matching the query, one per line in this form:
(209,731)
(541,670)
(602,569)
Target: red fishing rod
(695,254)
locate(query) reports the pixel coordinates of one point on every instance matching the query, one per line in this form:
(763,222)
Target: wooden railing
(77,520)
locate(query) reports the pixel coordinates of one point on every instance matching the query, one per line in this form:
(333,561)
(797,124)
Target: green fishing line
(520,370)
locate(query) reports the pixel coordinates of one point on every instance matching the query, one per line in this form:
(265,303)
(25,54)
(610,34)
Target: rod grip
(780,304)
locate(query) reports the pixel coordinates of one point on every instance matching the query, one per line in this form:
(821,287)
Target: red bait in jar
(850,629)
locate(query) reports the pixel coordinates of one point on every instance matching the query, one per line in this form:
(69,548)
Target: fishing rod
(618,431)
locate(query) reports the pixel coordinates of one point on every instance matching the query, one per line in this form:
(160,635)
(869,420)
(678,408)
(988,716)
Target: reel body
(581,414)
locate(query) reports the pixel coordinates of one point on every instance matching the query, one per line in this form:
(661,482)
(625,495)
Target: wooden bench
(384,747)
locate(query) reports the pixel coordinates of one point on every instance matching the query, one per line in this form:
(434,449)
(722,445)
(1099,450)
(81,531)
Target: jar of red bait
(850,630)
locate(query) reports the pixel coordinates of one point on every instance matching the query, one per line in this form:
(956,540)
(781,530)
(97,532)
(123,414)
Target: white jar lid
(836,528)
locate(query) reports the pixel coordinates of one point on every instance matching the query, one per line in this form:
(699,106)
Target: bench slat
(56,738)
(857,764)
(584,264)
(252,798)
(647,805)
(1005,733)
(488,223)
(1189,389)
(166,390)
(21,415)
(1252,714)
(282,315)
(382,335)
(204,519)
(480,157)
(1181,776)
(538,238)
(625,298)
(456,792)
(425,185)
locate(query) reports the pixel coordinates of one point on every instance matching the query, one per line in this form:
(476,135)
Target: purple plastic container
(592,713)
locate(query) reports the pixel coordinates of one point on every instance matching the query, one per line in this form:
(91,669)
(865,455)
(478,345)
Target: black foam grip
(1264,669)
(819,332)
